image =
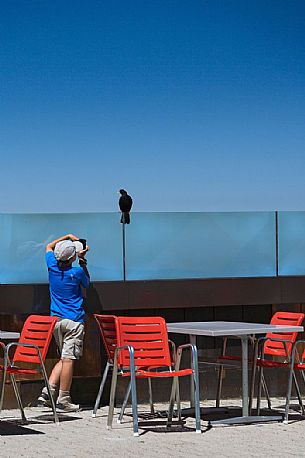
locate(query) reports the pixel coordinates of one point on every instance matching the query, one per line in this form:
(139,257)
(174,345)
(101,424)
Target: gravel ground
(80,435)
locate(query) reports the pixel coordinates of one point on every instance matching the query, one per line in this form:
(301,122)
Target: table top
(7,335)
(227,328)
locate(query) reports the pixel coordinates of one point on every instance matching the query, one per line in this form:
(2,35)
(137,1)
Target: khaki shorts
(69,337)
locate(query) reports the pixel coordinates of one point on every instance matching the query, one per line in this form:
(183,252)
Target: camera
(84,243)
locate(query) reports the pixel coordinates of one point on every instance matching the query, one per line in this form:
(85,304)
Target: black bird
(125,204)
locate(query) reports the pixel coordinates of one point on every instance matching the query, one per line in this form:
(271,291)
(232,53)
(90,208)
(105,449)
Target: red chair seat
(14,370)
(270,364)
(19,370)
(150,374)
(230,358)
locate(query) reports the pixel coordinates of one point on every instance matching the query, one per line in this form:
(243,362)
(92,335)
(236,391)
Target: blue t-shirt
(65,290)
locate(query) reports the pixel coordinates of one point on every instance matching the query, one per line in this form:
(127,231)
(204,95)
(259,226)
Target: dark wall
(159,294)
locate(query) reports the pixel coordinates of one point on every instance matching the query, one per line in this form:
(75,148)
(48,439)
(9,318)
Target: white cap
(66,249)
(78,246)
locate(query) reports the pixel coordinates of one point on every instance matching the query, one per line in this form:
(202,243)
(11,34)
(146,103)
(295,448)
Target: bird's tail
(125,218)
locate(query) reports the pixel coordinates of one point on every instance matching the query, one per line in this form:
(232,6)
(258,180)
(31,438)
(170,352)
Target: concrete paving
(80,435)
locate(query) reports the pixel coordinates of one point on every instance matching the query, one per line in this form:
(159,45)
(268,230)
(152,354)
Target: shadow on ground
(156,422)
(9,428)
(16,427)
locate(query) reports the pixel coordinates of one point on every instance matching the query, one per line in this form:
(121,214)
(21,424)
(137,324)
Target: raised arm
(50,246)
(83,263)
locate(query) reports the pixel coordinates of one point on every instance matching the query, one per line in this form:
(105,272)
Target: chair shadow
(156,423)
(48,418)
(161,428)
(42,419)
(295,414)
(10,428)
(207,414)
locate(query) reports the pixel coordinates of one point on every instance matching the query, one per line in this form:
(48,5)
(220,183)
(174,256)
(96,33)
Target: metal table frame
(243,331)
(7,335)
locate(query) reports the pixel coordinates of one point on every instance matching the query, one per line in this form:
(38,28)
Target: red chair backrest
(283,318)
(148,337)
(106,324)
(37,330)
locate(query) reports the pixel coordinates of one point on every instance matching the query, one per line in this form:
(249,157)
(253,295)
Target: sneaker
(44,400)
(66,405)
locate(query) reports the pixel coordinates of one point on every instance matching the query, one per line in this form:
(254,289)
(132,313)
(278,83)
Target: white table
(7,335)
(243,331)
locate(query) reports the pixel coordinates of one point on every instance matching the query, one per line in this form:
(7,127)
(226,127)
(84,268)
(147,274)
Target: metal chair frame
(109,366)
(141,372)
(7,367)
(259,362)
(128,391)
(11,369)
(277,318)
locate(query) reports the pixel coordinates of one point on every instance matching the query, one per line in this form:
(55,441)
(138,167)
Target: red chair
(274,345)
(143,352)
(232,360)
(106,324)
(32,349)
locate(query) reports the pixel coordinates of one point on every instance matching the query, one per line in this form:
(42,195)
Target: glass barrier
(291,242)
(24,236)
(200,245)
(158,245)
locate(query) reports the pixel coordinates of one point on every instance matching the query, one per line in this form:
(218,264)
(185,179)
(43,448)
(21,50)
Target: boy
(65,283)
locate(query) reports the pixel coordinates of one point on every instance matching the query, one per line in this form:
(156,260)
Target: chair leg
(112,395)
(133,393)
(219,385)
(266,392)
(195,379)
(196,388)
(220,374)
(18,398)
(303,377)
(101,389)
(298,392)
(171,403)
(16,391)
(3,380)
(47,384)
(288,395)
(178,400)
(253,375)
(174,391)
(152,410)
(126,397)
(259,392)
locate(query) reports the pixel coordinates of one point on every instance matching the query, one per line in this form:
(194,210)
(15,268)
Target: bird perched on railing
(125,204)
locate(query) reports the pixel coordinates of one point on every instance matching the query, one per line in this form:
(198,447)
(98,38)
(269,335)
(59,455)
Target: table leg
(192,393)
(245,382)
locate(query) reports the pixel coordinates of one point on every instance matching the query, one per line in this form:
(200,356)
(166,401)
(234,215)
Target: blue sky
(189,105)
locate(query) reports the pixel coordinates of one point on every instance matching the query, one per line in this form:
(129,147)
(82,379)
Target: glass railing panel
(200,245)
(24,236)
(291,236)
